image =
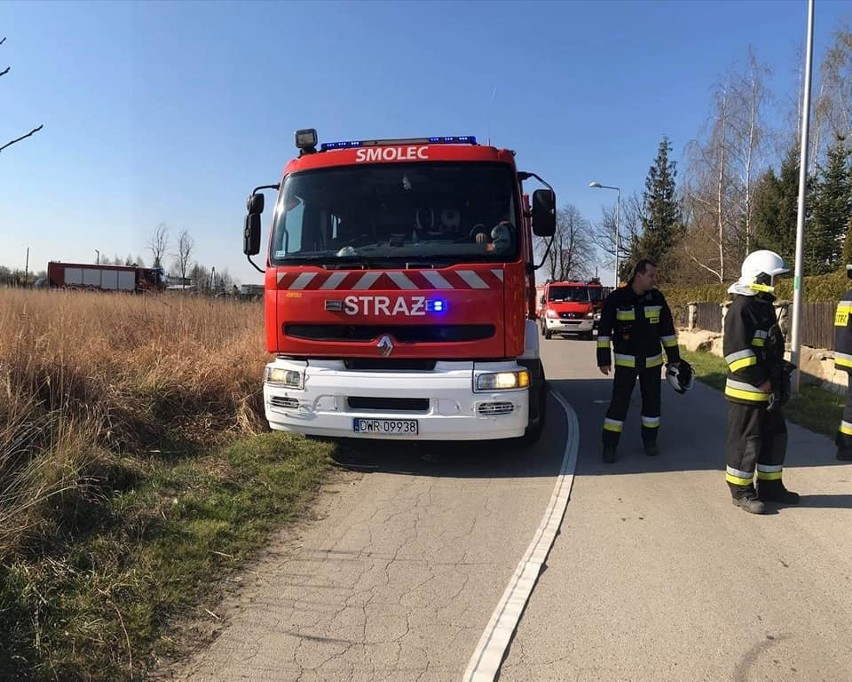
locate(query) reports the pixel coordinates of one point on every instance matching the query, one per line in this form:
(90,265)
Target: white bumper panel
(442,401)
(560,325)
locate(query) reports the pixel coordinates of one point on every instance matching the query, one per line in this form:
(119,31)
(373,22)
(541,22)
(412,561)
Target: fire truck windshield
(578,294)
(422,212)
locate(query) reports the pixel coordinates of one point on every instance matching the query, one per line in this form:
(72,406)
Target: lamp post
(597,185)
(804,141)
(97,257)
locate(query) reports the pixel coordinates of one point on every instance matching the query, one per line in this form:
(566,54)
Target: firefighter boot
(608,452)
(650,447)
(774,491)
(745,497)
(844,454)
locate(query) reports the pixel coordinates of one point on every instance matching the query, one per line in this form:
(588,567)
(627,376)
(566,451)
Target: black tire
(538,396)
(534,430)
(548,334)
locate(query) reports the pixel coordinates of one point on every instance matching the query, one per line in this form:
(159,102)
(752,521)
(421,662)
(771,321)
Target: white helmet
(760,268)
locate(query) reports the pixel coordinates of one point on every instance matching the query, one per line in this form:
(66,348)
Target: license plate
(390,427)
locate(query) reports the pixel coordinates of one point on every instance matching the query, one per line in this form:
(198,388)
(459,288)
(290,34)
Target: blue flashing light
(458,139)
(354,144)
(436,305)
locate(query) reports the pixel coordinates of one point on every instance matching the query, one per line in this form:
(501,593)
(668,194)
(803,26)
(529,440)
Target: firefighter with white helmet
(757,387)
(637,321)
(843,362)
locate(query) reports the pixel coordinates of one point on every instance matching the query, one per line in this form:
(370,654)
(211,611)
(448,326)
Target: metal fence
(816,328)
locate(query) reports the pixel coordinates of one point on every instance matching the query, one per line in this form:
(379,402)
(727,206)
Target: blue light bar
(352,144)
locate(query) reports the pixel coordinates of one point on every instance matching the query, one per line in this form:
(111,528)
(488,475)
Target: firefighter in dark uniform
(757,387)
(843,362)
(638,323)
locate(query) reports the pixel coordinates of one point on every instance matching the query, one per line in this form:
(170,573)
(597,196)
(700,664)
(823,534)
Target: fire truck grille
(395,404)
(390,364)
(429,333)
(493,409)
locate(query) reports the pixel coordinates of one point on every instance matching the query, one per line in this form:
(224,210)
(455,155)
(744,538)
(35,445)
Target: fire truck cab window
(575,294)
(391,211)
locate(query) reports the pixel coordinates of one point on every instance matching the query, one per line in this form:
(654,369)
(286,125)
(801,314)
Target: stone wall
(816,364)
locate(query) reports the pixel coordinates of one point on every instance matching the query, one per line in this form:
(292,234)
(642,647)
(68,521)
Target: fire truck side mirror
(543,213)
(251,234)
(255,204)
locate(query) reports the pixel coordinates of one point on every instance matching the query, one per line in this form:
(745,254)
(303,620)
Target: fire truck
(399,291)
(571,307)
(91,277)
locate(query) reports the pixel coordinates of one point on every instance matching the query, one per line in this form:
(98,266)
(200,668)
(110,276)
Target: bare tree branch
(34,130)
(22,137)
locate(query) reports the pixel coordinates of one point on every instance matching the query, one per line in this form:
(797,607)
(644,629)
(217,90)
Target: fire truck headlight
(551,313)
(590,314)
(503,381)
(289,378)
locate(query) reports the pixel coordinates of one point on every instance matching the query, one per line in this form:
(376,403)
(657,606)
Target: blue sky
(173,111)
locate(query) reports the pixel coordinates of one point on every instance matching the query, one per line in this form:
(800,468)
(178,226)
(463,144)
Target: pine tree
(831,207)
(776,207)
(662,218)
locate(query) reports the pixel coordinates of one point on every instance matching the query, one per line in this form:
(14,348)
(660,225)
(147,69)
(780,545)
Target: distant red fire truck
(571,307)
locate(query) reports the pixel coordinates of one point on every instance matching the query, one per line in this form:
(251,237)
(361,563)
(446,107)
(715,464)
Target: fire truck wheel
(538,402)
(548,334)
(535,429)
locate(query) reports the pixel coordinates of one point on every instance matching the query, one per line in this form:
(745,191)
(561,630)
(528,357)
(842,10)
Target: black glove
(781,390)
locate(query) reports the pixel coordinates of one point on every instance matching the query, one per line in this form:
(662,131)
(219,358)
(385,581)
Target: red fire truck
(399,291)
(571,307)
(91,277)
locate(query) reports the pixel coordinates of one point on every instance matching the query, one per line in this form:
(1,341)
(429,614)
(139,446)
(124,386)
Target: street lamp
(597,185)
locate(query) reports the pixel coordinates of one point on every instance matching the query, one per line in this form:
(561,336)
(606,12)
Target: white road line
(486,659)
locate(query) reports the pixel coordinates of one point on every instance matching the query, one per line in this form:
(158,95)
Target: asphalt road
(654,574)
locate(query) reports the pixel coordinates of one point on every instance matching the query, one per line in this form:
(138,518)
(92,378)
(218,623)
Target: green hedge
(817,289)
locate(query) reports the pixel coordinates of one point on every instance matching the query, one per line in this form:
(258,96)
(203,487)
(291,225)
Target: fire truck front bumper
(450,401)
(569,326)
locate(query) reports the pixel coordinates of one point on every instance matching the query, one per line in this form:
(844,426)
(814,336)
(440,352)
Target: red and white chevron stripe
(411,280)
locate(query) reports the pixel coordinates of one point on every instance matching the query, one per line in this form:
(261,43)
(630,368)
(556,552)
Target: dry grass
(117,490)
(90,380)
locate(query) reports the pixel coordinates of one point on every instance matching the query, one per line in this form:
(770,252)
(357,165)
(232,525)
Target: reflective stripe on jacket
(637,328)
(843,333)
(752,346)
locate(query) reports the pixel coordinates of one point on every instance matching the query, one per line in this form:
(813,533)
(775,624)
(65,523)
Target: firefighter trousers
(757,440)
(622,388)
(844,431)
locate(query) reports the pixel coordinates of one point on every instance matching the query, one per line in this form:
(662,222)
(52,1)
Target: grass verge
(813,408)
(102,609)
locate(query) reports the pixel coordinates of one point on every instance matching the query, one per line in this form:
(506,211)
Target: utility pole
(796,345)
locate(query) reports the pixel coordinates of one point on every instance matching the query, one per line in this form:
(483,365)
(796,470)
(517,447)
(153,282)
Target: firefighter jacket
(753,346)
(843,334)
(638,327)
